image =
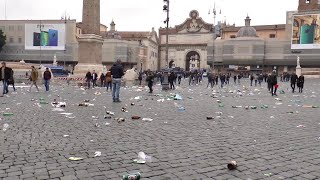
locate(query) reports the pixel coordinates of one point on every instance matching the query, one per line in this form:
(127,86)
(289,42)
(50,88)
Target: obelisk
(90,41)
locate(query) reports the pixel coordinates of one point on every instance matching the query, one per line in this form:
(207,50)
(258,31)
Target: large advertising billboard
(306,31)
(45,36)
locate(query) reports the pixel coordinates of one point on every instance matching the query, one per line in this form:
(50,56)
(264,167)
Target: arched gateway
(192,60)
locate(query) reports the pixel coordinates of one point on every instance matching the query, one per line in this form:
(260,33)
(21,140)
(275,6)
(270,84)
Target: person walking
(94,79)
(222,79)
(251,79)
(47,78)
(190,79)
(273,83)
(150,79)
(117,73)
(109,80)
(239,77)
(11,80)
(88,79)
(260,79)
(34,78)
(171,80)
(255,80)
(179,78)
(293,80)
(210,80)
(269,82)
(102,80)
(140,78)
(300,83)
(228,78)
(5,75)
(235,79)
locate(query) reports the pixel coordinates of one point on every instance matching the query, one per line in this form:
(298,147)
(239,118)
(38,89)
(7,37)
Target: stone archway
(192,60)
(171,63)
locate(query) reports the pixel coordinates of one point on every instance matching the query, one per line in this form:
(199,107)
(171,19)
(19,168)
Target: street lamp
(165,82)
(166,9)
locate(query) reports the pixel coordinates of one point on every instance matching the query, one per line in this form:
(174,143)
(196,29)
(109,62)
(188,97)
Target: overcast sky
(142,15)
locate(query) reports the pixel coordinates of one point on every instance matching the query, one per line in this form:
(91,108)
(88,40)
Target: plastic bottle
(181,109)
(5,127)
(7,114)
(236,106)
(134,176)
(253,107)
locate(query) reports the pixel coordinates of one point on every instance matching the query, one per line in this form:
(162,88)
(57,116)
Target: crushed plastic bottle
(142,158)
(147,119)
(110,113)
(134,176)
(5,127)
(236,106)
(253,107)
(178,97)
(7,114)
(97,154)
(181,109)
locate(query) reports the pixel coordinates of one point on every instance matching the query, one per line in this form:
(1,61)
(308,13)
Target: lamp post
(165,82)
(166,9)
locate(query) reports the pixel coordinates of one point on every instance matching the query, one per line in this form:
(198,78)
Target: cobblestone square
(277,141)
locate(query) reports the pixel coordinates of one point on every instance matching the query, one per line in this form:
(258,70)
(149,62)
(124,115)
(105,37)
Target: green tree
(2,39)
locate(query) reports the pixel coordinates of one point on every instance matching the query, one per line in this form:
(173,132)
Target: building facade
(187,43)
(148,46)
(255,48)
(191,44)
(135,49)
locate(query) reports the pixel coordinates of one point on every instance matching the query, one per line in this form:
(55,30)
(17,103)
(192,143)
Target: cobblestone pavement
(266,143)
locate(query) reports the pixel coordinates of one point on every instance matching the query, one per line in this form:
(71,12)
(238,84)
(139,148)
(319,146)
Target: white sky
(142,15)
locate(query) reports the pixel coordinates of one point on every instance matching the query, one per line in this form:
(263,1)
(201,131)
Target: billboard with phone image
(45,36)
(306,31)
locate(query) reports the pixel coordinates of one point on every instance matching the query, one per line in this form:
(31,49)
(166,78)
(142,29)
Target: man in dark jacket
(150,79)
(94,78)
(5,75)
(171,80)
(11,80)
(300,83)
(88,79)
(46,78)
(293,79)
(117,73)
(222,79)
(251,79)
(269,82)
(273,83)
(102,80)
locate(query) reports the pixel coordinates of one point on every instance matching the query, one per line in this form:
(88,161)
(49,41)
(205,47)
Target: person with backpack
(273,83)
(300,83)
(150,79)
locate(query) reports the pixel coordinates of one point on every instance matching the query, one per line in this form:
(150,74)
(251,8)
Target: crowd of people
(112,79)
(7,78)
